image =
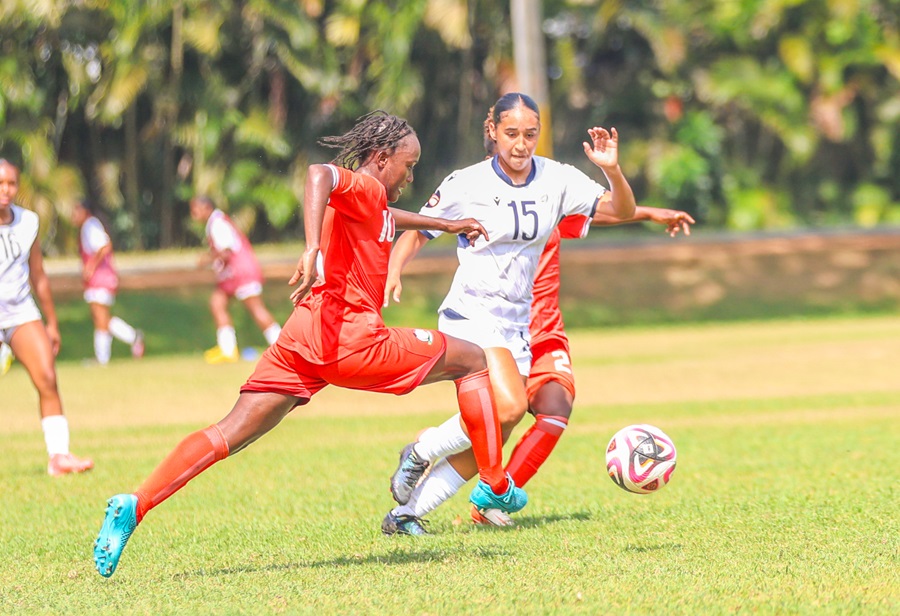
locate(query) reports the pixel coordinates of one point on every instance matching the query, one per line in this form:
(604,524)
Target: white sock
(447,439)
(5,351)
(56,434)
(271,333)
(122,330)
(227,340)
(102,346)
(436,488)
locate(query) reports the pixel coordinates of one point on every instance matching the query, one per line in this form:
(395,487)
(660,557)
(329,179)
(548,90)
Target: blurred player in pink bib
(100,285)
(238,275)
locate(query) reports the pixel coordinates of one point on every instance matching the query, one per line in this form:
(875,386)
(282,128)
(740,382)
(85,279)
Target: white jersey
(16,240)
(220,234)
(495,277)
(93,236)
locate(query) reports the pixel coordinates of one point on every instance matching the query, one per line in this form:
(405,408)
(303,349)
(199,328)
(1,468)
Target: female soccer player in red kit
(336,334)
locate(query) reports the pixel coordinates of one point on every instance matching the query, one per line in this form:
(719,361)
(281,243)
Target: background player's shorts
(396,365)
(96,295)
(241,290)
(551,363)
(487,334)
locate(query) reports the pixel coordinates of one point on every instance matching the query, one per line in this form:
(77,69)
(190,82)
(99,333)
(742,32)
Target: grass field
(785,500)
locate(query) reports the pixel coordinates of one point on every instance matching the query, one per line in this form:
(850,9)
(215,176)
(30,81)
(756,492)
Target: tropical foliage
(752,114)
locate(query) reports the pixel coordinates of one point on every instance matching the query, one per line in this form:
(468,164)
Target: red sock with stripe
(535,447)
(196,453)
(476,406)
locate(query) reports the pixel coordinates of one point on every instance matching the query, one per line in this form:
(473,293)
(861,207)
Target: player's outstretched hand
(603,150)
(392,289)
(469,227)
(305,274)
(674,220)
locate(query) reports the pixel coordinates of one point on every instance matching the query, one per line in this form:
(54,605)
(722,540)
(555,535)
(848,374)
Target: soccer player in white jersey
(100,284)
(34,343)
(519,198)
(238,275)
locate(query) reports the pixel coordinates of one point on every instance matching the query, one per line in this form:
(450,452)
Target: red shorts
(396,365)
(550,361)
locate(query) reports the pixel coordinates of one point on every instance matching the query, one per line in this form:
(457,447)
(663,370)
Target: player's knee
(45,382)
(510,411)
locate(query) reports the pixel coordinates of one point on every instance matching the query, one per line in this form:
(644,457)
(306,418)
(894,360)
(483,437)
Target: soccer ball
(640,459)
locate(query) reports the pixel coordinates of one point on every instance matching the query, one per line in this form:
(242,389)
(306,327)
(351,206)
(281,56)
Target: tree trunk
(167,198)
(132,177)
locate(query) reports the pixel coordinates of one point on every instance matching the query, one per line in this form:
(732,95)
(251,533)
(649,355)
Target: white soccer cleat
(490,517)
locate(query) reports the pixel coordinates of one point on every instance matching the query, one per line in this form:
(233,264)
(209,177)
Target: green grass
(785,499)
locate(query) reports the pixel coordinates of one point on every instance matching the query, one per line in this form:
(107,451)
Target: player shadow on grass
(398,558)
(538,521)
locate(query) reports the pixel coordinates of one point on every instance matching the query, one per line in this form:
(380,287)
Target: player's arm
(405,249)
(320,181)
(94,261)
(40,284)
(414,221)
(603,151)
(673,220)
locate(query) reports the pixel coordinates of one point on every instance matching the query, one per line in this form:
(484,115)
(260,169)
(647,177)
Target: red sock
(196,453)
(476,406)
(535,447)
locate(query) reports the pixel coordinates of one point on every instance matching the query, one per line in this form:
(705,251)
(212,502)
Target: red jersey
(546,317)
(342,313)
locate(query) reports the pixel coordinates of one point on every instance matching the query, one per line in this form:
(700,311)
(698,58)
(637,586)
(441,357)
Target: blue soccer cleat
(514,499)
(120,522)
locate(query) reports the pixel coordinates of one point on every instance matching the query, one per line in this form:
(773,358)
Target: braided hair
(374,131)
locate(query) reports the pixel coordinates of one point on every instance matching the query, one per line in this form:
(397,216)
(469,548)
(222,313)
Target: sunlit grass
(785,498)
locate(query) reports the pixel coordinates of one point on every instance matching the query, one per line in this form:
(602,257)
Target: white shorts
(14,317)
(96,295)
(488,334)
(251,289)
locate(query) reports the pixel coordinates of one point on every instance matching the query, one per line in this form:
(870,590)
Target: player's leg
(31,346)
(551,395)
(450,437)
(253,415)
(101,302)
(226,339)
(275,387)
(257,309)
(475,399)
(100,315)
(552,406)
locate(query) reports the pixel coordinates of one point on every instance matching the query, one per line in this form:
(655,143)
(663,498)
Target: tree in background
(751,115)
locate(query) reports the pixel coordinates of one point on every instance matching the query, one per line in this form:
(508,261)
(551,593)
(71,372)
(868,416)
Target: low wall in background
(699,277)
